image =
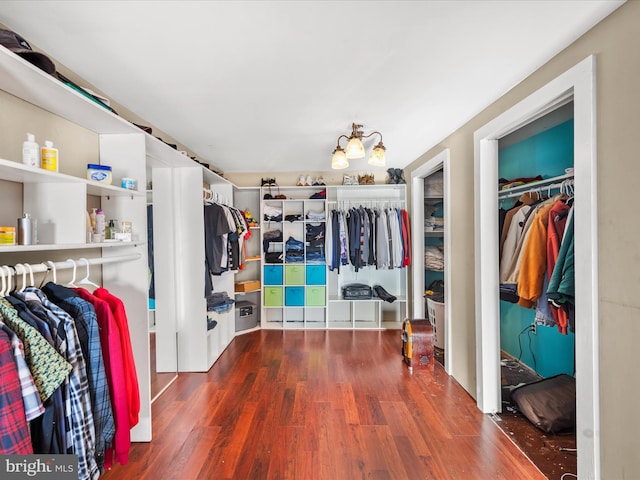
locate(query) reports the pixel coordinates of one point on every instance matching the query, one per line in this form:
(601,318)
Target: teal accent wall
(548,154)
(553,351)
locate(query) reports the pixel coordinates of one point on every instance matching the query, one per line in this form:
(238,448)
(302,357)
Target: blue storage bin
(316,275)
(273,275)
(294,296)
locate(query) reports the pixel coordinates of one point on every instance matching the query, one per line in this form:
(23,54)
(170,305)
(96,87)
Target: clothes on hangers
(534,241)
(225,229)
(77,379)
(365,237)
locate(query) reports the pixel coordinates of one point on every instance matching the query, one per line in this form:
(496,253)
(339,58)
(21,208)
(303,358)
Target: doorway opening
(430,218)
(578,85)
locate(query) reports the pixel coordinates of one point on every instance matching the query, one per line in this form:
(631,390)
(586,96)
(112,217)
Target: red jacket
(130,376)
(114,369)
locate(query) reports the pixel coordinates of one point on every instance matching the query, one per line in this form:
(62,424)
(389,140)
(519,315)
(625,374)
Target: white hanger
(4,281)
(52,267)
(85,280)
(31,282)
(24,276)
(73,279)
(9,275)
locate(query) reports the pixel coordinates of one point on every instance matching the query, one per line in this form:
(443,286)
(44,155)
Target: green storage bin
(273,297)
(294,275)
(316,297)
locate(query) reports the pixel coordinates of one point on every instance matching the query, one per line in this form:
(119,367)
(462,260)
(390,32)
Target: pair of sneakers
(309,182)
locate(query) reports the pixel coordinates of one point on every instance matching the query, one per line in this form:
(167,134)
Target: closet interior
(434,271)
(537,324)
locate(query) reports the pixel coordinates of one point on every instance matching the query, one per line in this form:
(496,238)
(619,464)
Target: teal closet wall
(548,154)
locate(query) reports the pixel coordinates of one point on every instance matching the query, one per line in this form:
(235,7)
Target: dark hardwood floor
(326,405)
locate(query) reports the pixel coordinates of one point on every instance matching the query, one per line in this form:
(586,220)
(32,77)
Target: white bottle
(49,156)
(100,225)
(31,151)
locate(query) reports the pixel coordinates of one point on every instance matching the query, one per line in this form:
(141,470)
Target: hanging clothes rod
(548,184)
(44,267)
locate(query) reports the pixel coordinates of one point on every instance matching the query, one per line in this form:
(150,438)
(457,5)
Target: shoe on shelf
(308,181)
(301,181)
(318,182)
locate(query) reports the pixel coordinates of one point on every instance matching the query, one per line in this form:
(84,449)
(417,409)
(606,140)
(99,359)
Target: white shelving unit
(249,198)
(180,276)
(331,311)
(294,294)
(362,314)
(59,202)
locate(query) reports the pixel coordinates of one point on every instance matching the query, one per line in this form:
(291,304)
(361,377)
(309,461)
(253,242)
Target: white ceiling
(258,86)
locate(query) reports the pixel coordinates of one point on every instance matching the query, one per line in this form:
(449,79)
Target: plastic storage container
(435,311)
(129,183)
(99,173)
(7,235)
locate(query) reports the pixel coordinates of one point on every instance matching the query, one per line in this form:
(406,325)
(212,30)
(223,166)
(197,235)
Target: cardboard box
(247,286)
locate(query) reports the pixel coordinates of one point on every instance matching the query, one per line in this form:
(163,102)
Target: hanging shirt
(534,260)
(511,241)
(131,378)
(87,327)
(48,368)
(14,433)
(562,283)
(77,399)
(406,238)
(396,239)
(114,370)
(33,407)
(382,241)
(50,431)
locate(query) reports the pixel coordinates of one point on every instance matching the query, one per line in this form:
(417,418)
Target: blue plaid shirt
(77,399)
(88,332)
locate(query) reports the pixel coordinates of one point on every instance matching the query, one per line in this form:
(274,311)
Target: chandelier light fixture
(355,149)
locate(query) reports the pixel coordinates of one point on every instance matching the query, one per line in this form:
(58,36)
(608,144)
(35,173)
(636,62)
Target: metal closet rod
(44,267)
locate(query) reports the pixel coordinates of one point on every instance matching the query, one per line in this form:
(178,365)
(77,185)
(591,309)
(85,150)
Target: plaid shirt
(87,327)
(48,368)
(33,407)
(41,434)
(14,433)
(77,400)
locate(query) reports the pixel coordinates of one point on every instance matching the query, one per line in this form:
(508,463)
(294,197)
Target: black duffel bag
(356,291)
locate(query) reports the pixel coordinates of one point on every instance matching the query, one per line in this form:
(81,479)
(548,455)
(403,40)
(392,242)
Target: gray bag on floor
(550,404)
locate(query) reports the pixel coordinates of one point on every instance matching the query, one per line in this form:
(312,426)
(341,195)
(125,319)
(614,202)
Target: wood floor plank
(321,405)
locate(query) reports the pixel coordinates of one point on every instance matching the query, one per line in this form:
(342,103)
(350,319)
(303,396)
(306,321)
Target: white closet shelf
(67,246)
(45,91)
(337,298)
(17,172)
(510,192)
